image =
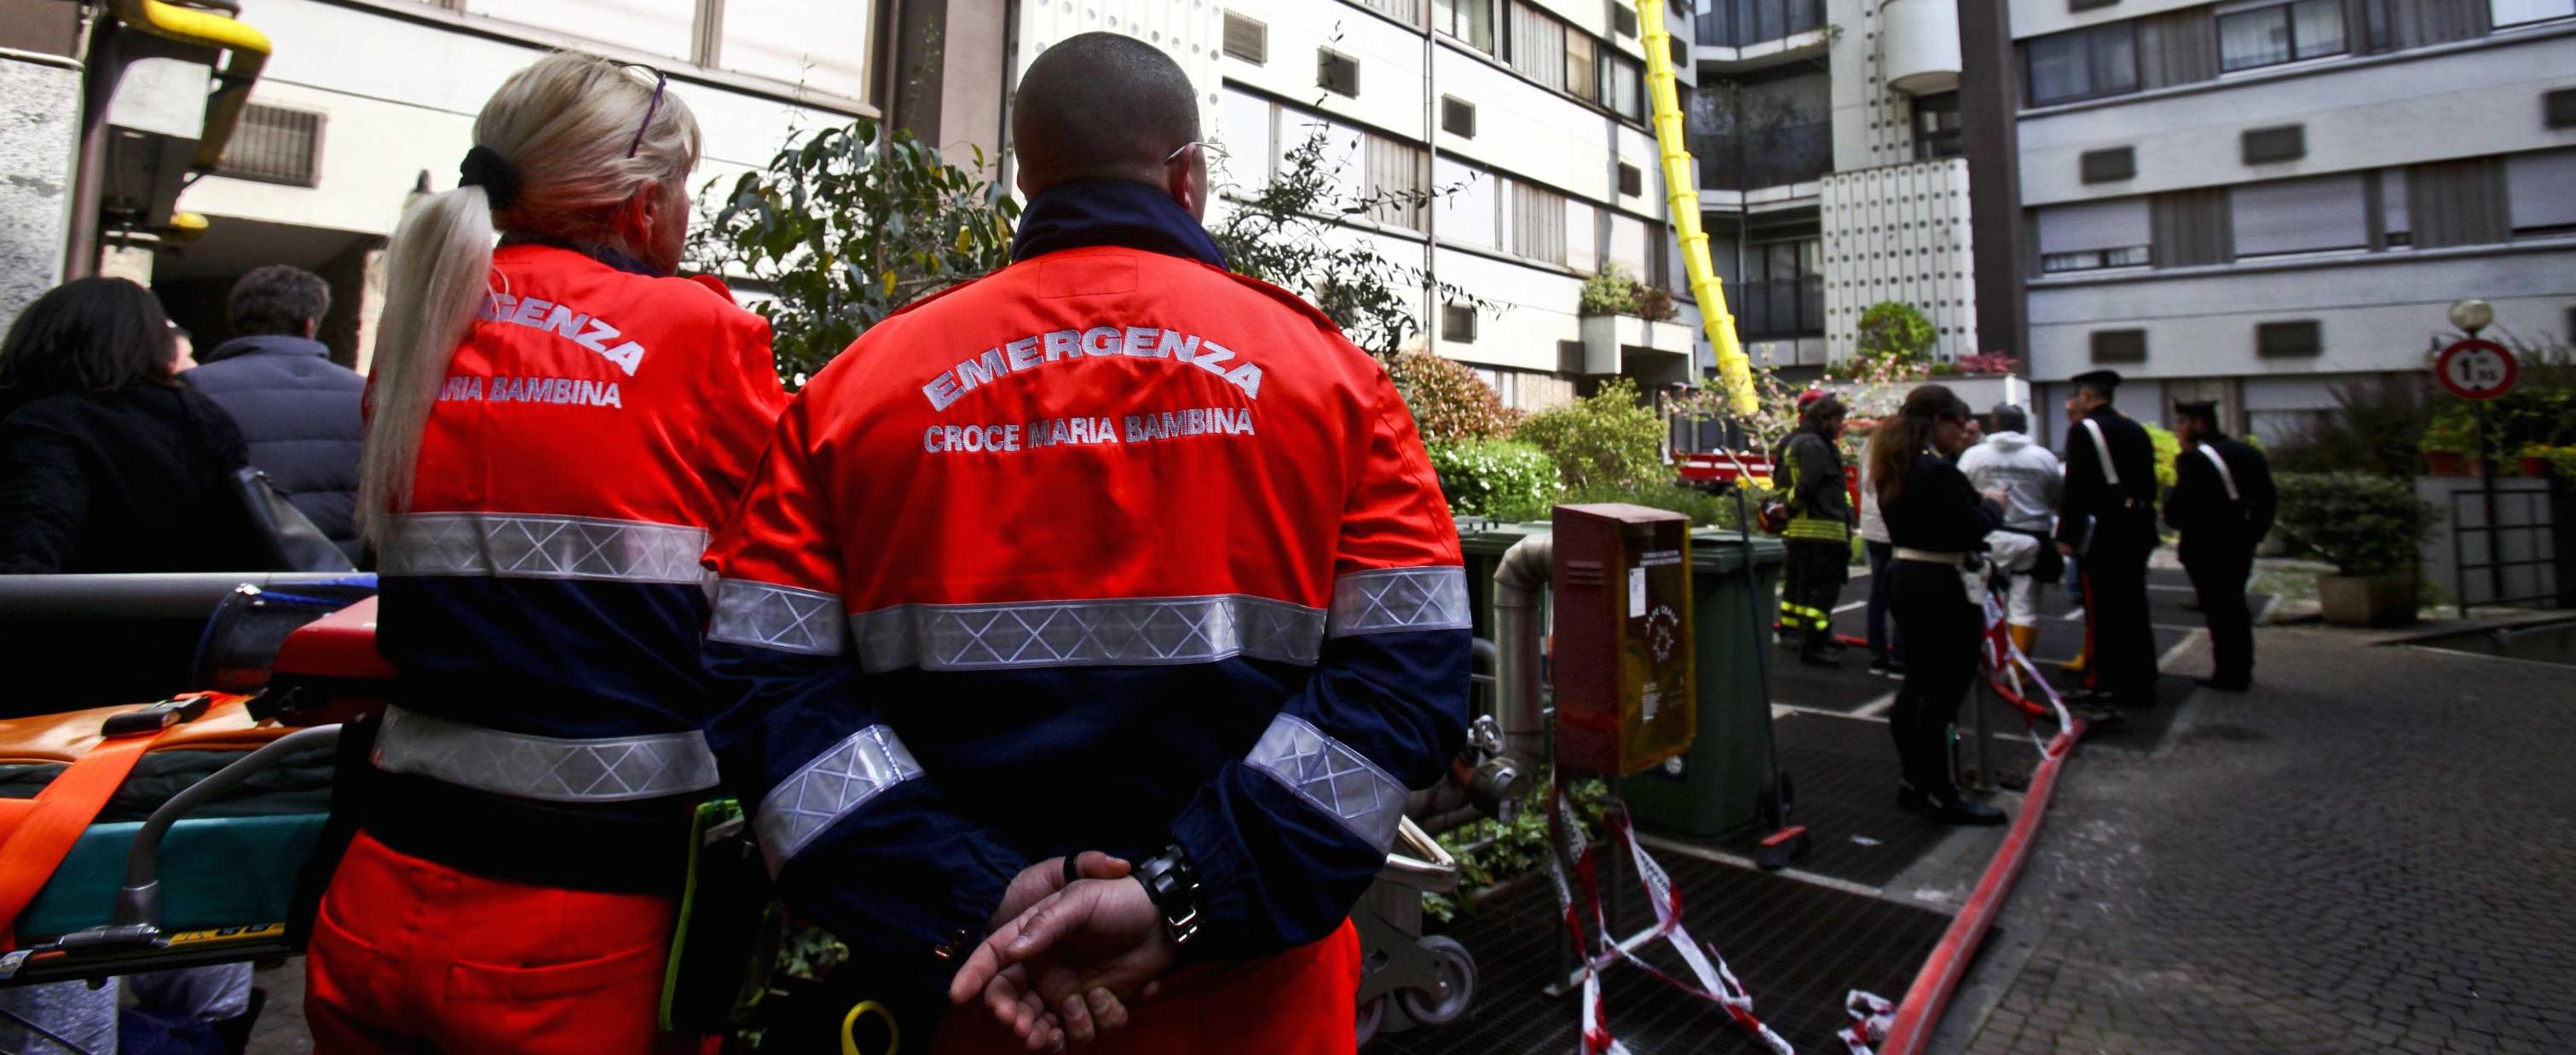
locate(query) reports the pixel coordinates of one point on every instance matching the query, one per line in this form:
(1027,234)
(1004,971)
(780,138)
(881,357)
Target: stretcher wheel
(1447,999)
(1371,1015)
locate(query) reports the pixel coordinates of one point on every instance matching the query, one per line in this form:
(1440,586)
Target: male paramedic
(1111,550)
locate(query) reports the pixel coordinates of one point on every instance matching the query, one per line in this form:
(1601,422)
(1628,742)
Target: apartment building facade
(2257,201)
(1832,171)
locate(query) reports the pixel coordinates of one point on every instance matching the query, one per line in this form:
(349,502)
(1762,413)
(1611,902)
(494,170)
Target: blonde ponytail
(582,135)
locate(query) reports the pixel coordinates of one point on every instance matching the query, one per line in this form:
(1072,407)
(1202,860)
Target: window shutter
(2191,227)
(1246,39)
(2457,203)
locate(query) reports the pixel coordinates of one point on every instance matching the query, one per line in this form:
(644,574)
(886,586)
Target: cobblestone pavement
(2375,851)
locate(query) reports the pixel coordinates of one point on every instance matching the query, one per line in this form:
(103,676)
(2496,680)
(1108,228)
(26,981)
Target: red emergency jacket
(1113,550)
(542,596)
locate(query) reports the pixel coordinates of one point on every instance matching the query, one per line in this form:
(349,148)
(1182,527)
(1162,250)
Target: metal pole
(2486,489)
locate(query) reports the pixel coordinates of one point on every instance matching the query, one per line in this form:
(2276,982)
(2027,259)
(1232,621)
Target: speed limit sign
(2475,369)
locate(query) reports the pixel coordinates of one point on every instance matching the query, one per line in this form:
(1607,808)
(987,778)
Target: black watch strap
(1174,890)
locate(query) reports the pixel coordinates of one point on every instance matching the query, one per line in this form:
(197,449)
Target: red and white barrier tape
(1871,1015)
(2011,673)
(1713,981)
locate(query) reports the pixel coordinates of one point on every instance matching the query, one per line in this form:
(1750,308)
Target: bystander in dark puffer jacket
(297,409)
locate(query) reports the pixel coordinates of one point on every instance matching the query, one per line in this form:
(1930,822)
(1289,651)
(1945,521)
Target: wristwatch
(1174,890)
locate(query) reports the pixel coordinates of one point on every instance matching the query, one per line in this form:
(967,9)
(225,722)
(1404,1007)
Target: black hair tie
(485,167)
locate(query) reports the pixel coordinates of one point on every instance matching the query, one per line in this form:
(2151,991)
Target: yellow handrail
(1734,371)
(246,51)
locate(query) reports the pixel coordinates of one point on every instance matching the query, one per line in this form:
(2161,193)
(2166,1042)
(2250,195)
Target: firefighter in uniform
(557,424)
(1819,532)
(2107,518)
(1110,550)
(2222,503)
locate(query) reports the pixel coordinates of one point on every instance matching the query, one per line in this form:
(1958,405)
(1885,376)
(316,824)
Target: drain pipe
(1519,685)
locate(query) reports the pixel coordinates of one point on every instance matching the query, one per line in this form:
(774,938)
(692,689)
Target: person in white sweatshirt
(2025,478)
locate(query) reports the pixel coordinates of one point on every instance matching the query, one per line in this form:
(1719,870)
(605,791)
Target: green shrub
(1612,292)
(2168,447)
(2377,426)
(1500,479)
(1894,330)
(1491,853)
(1606,440)
(2363,524)
(1449,402)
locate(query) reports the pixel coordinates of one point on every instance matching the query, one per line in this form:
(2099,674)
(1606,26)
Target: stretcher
(194,830)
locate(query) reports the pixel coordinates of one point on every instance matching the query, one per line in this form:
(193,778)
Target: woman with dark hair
(108,463)
(1938,524)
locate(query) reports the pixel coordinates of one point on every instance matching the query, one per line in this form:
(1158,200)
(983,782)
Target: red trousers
(1300,1002)
(413,956)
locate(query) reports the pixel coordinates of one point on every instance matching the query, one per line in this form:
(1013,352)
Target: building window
(1408,12)
(823,47)
(1337,73)
(1458,116)
(1458,323)
(2298,338)
(2541,187)
(1246,39)
(1631,179)
(2083,64)
(1395,182)
(1938,132)
(1623,17)
(2119,346)
(1538,223)
(2315,215)
(1580,79)
(275,145)
(2090,236)
(1744,23)
(2516,12)
(1471,21)
(1623,84)
(1782,293)
(2558,108)
(2263,146)
(2108,166)
(2269,36)
(1469,204)
(1538,46)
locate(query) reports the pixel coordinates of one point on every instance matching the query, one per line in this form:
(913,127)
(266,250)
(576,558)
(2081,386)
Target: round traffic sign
(2475,369)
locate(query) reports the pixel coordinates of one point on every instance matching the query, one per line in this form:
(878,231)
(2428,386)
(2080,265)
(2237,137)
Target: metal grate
(1246,39)
(1337,73)
(1458,116)
(275,145)
(1458,323)
(2119,346)
(2282,143)
(2297,337)
(2109,165)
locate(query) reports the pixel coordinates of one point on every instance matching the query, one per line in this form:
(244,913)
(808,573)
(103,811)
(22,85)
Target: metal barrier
(176,595)
(2530,522)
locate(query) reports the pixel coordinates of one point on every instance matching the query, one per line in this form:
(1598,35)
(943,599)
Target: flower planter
(2385,599)
(2448,463)
(2532,466)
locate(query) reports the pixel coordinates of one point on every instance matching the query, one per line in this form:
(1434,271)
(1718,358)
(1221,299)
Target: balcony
(1780,308)
(1744,23)
(1770,157)
(1626,344)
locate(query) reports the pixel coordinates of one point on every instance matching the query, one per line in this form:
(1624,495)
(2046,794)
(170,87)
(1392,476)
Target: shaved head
(1102,106)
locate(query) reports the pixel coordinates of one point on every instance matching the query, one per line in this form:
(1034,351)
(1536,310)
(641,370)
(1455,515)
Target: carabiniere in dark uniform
(2108,519)
(2222,502)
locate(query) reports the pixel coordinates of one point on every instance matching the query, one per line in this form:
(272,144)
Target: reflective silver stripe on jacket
(518,546)
(828,788)
(1337,779)
(766,615)
(545,768)
(1119,632)
(1393,599)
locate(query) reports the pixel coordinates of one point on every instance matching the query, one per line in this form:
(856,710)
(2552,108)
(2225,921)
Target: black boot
(1820,650)
(1947,806)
